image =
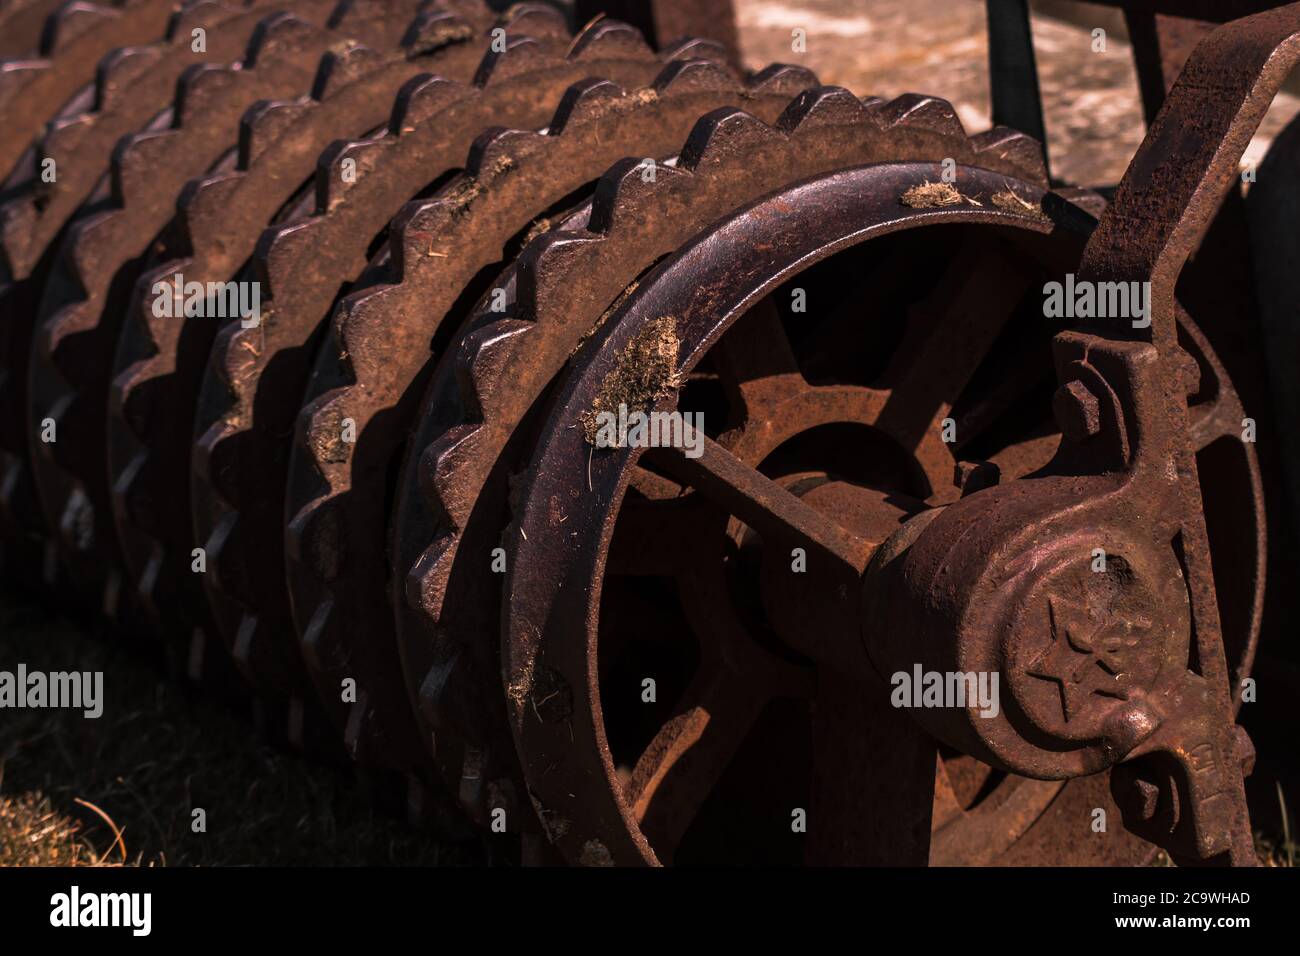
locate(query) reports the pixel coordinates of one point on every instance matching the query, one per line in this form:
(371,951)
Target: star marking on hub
(1086,657)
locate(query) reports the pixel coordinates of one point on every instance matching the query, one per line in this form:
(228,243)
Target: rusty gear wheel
(160,359)
(371,371)
(452,499)
(132,86)
(33,92)
(81,308)
(470,233)
(634,790)
(240,458)
(73,40)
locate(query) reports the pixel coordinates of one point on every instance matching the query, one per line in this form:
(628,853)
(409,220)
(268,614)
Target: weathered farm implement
(310,308)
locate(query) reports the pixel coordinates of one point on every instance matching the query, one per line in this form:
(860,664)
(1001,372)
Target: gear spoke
(687,757)
(1025,457)
(763,504)
(1214,420)
(757,364)
(948,335)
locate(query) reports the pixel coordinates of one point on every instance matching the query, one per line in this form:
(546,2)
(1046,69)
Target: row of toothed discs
(286,290)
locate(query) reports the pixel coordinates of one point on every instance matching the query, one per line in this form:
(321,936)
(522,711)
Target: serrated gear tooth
(203,202)
(247,651)
(357,14)
(521,54)
(129,398)
(223,549)
(438,465)
(73,20)
(265,122)
(687,76)
(717,135)
(67,322)
(159,328)
(76,520)
(435,30)
(426,582)
(118,70)
(320,644)
(341,66)
(782,78)
(320,428)
(147,586)
(238,354)
(128,493)
(538,258)
(201,86)
(584,102)
(210,458)
(350,319)
(332,183)
(535,19)
(85,251)
(277,35)
(694,48)
(1011,147)
(193,14)
(823,106)
(62,134)
(917,111)
(414,233)
(610,39)
(433,691)
(136,160)
(15,75)
(424,97)
(484,354)
(495,152)
(279,250)
(360,729)
(16,222)
(315,538)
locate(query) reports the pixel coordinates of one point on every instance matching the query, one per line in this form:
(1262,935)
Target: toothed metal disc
(81,308)
(160,358)
(808,416)
(371,370)
(454,487)
(240,457)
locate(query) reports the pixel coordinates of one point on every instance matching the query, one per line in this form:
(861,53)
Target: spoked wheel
(685,636)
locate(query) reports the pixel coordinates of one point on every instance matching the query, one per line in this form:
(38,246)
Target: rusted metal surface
(161,358)
(451,506)
(255,377)
(375,360)
(73,40)
(99,258)
(503,231)
(21,25)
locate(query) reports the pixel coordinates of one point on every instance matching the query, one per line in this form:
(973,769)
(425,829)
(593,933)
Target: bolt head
(1077,411)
